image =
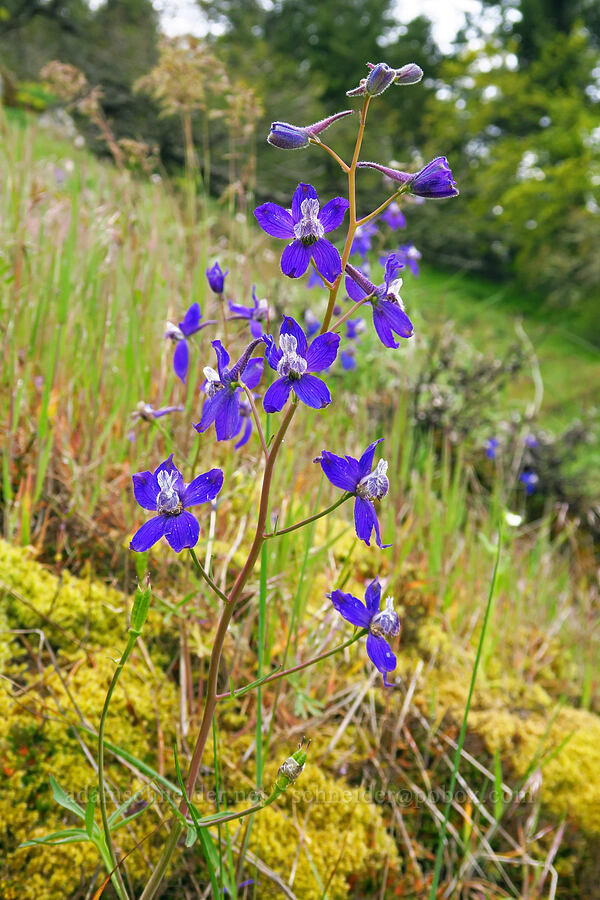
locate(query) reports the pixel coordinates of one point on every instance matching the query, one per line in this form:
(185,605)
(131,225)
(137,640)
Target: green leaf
(90,809)
(191,837)
(498,797)
(63,799)
(68,836)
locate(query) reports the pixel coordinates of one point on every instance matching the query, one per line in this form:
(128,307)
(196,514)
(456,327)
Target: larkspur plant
(231,404)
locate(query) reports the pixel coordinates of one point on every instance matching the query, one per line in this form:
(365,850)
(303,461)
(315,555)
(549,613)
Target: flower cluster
(299,359)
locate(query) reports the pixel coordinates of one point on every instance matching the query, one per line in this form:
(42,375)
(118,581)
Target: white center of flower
(386,623)
(309,229)
(376,485)
(168,501)
(394,293)
(262,309)
(290,364)
(213,382)
(173,332)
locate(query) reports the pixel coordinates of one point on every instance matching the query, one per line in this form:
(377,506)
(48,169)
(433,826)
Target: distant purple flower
(530,481)
(363,238)
(164,492)
(408,255)
(347,359)
(393,217)
(222,405)
(531,441)
(305,224)
(255,314)
(292,137)
(491,445)
(434,181)
(179,333)
(294,361)
(357,477)
(245,425)
(148,413)
(314,280)
(354,327)
(381,76)
(312,323)
(389,317)
(216,278)
(379,623)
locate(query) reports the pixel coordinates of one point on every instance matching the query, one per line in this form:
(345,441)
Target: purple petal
(327,259)
(150,532)
(275,220)
(393,264)
(222,357)
(351,609)
(203,488)
(182,531)
(290,326)
(312,391)
(272,352)
(246,434)
(169,466)
(255,329)
(191,320)
(348,361)
(332,214)
(253,372)
(146,489)
(276,396)
(301,193)
(181,359)
(342,471)
(365,520)
(322,352)
(227,419)
(210,410)
(380,654)
(373,597)
(355,292)
(396,318)
(365,463)
(383,328)
(295,259)
(244,311)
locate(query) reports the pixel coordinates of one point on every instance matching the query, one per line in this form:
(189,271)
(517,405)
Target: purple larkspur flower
(295,362)
(408,255)
(389,317)
(311,322)
(393,217)
(380,623)
(530,481)
(305,224)
(381,76)
(222,405)
(354,327)
(363,238)
(245,425)
(531,441)
(164,492)
(367,484)
(179,334)
(347,359)
(434,181)
(255,314)
(147,412)
(292,137)
(216,278)
(491,445)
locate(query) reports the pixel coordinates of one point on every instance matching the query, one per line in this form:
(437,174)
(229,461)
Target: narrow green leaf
(90,809)
(63,799)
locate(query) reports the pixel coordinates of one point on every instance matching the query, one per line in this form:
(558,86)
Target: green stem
(213,671)
(347,315)
(352,212)
(319,515)
(331,152)
(384,205)
(116,878)
(297,668)
(204,574)
(463,730)
(250,397)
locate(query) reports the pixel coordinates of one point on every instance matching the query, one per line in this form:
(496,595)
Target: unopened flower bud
(379,79)
(409,74)
(290,771)
(287,137)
